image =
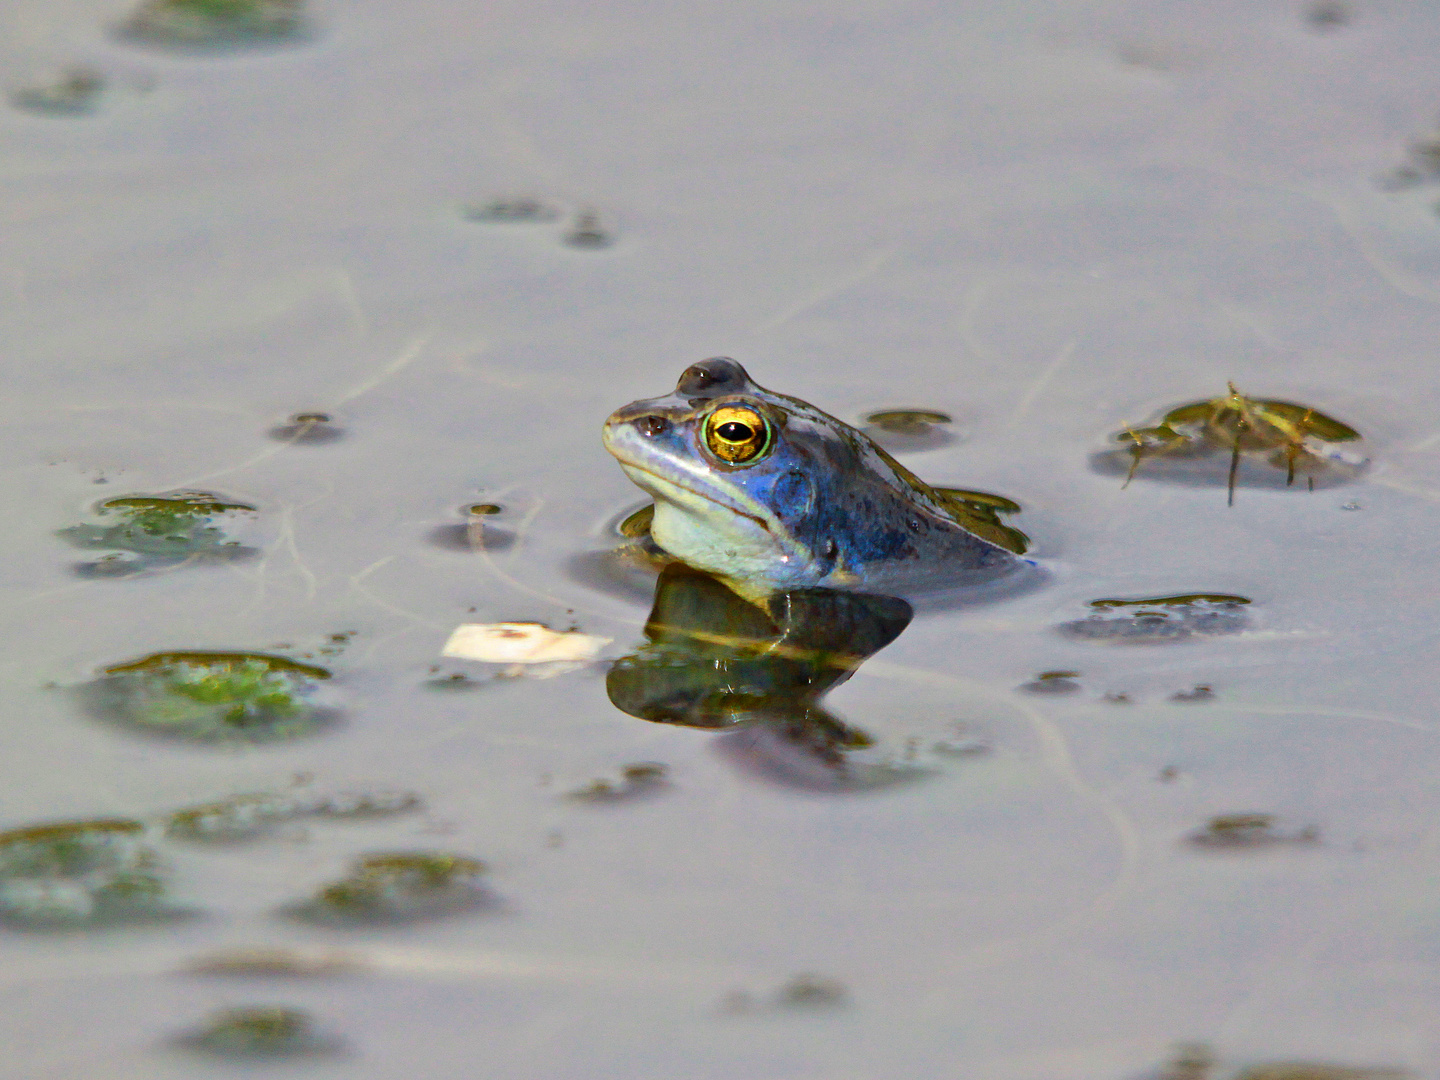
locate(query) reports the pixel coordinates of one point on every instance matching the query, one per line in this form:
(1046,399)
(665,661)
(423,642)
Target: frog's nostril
(651,425)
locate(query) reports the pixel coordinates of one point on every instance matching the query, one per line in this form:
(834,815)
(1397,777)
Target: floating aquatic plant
(637,781)
(522,210)
(1203,440)
(214,696)
(909,429)
(250,816)
(158,530)
(1239,831)
(80,873)
(1157,619)
(208,24)
(399,887)
(259,1031)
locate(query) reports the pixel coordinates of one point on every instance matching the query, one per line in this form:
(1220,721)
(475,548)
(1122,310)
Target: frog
(768,493)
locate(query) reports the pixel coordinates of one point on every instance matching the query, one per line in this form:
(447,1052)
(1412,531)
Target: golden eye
(737,434)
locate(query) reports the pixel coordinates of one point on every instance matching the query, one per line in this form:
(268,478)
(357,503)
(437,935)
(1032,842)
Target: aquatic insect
(1289,436)
(769,493)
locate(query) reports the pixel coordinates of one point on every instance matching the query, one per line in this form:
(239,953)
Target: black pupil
(734,431)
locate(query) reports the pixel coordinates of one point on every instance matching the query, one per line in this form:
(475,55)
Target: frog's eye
(737,434)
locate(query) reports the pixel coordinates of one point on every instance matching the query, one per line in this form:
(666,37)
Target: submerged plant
(399,887)
(216,23)
(80,873)
(214,696)
(159,530)
(1296,439)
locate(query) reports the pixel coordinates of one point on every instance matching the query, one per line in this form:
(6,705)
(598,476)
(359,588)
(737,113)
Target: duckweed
(80,873)
(214,696)
(1312,1070)
(1197,440)
(1158,619)
(259,1031)
(158,530)
(208,24)
(399,887)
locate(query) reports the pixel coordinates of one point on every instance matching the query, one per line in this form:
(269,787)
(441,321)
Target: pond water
(383,275)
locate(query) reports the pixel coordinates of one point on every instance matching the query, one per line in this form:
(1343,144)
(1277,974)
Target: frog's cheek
(793,496)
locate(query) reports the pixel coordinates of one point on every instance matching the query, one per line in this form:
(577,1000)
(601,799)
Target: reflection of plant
(160,529)
(215,696)
(80,873)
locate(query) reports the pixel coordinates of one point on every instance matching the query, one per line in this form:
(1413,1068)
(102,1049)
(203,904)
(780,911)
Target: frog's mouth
(663,487)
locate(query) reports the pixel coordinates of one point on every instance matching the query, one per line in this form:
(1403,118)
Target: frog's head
(735,471)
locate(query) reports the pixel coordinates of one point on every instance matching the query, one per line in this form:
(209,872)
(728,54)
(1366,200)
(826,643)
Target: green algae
(78,874)
(213,696)
(259,1031)
(398,887)
(212,24)
(157,531)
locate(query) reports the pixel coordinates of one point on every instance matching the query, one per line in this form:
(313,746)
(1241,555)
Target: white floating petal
(521,643)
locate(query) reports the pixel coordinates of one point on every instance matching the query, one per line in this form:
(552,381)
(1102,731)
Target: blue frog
(769,494)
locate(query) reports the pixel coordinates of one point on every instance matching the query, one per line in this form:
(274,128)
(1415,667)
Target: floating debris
(1192,1061)
(1052,682)
(272,962)
(805,992)
(259,1031)
(1311,1070)
(216,24)
(213,696)
(1327,15)
(476,532)
(586,233)
(1203,441)
(908,429)
(399,887)
(75,93)
(523,644)
(81,873)
(519,210)
(637,781)
(1249,831)
(363,804)
(309,429)
(1160,619)
(1194,695)
(811,991)
(159,530)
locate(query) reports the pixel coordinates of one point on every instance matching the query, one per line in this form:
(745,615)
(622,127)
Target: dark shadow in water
(472,537)
(714,660)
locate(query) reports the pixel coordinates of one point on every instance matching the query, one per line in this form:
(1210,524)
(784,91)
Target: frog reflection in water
(769,493)
(715,660)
